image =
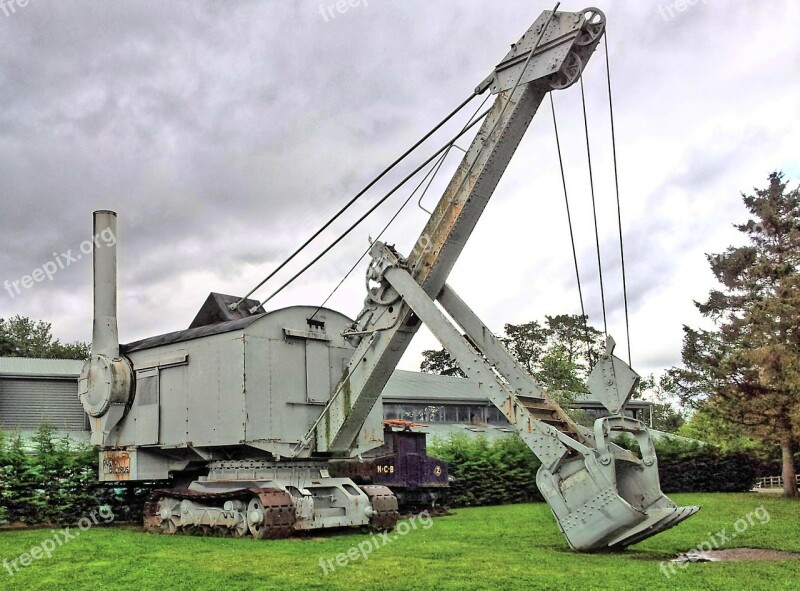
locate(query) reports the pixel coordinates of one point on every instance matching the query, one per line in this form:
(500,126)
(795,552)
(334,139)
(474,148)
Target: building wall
(27,403)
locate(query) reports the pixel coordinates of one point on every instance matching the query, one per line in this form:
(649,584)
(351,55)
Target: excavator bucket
(607,501)
(608,498)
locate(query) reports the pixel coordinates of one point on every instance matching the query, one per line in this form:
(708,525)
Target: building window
(495,417)
(468,414)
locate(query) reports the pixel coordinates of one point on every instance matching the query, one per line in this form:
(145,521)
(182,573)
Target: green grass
(515,547)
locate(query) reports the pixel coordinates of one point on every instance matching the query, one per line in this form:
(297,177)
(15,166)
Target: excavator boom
(601,495)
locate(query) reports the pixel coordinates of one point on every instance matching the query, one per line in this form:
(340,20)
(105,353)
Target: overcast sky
(225,133)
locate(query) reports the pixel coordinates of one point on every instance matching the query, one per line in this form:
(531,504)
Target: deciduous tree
(21,336)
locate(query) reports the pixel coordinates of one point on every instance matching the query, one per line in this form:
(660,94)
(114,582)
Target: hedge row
(54,481)
(488,472)
(492,472)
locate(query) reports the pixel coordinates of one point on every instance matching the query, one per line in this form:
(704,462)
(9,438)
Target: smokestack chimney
(105,335)
(106,385)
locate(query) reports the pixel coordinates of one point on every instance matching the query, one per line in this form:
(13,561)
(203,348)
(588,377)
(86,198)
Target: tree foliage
(729,437)
(21,336)
(666,414)
(747,370)
(558,353)
(439,361)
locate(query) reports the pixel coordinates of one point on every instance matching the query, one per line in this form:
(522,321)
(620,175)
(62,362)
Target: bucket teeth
(602,507)
(656,522)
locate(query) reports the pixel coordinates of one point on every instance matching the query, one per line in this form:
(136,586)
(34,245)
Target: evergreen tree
(747,371)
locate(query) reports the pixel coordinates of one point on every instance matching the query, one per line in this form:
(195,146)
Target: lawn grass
(516,547)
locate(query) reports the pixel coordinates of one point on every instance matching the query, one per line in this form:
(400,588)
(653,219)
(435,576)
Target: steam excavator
(244,413)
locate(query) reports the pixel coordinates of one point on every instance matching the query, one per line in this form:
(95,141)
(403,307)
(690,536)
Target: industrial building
(45,391)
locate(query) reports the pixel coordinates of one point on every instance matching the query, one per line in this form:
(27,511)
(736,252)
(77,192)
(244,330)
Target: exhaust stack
(105,335)
(106,384)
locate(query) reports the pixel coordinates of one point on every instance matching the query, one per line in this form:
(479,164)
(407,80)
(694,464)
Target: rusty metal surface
(116,466)
(279,514)
(384,503)
(279,510)
(403,424)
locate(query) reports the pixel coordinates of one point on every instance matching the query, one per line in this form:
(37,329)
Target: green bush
(54,481)
(494,472)
(693,466)
(488,472)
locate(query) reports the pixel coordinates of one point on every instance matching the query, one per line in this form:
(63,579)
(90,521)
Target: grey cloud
(225,133)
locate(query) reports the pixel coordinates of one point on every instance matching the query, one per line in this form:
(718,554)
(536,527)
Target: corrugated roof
(190,333)
(412,385)
(45,368)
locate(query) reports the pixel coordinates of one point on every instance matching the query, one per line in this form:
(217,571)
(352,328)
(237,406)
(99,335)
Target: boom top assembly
(246,411)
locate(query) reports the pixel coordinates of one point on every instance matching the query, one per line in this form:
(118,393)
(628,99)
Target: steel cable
(354,199)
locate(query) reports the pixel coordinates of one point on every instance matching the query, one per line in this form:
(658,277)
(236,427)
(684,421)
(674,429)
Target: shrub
(488,472)
(494,472)
(54,481)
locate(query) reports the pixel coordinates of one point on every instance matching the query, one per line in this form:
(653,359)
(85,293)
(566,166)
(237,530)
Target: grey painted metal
(254,387)
(105,387)
(320,500)
(612,381)
(184,513)
(388,323)
(565,31)
(521,382)
(190,334)
(602,496)
(403,386)
(488,344)
(105,334)
(543,439)
(217,309)
(252,384)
